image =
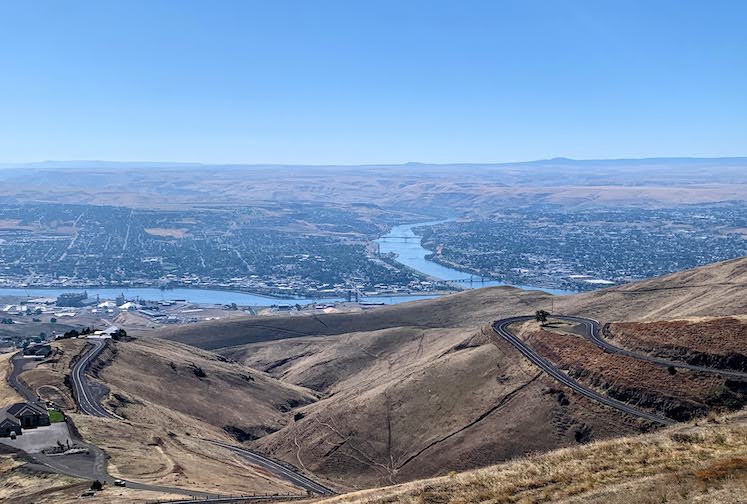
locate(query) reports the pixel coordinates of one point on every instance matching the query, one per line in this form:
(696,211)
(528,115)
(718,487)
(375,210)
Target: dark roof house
(28,414)
(38,350)
(8,424)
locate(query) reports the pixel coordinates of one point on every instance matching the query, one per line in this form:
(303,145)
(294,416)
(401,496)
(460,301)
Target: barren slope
(407,402)
(172,396)
(470,308)
(702,462)
(415,390)
(717,342)
(713,290)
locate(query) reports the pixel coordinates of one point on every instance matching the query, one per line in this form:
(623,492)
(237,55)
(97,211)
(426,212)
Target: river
(403,241)
(200,296)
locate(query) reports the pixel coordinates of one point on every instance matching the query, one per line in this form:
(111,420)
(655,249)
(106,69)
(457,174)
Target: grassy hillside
(712,290)
(464,309)
(419,389)
(407,402)
(171,397)
(700,462)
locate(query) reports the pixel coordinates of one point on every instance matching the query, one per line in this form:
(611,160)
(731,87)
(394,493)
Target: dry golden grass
(713,336)
(48,377)
(168,409)
(694,462)
(199,384)
(18,485)
(21,486)
(7,394)
(406,403)
(165,448)
(712,290)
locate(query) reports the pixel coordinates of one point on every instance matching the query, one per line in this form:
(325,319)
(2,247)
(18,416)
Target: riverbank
(406,245)
(204,296)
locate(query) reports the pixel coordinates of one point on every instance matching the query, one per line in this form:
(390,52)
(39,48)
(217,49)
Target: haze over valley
(335,252)
(311,231)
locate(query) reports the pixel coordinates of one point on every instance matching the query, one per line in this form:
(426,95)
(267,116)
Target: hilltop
(396,394)
(422,388)
(698,462)
(711,290)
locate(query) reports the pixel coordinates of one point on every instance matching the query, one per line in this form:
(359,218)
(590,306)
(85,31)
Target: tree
(97,486)
(671,370)
(119,334)
(70,334)
(53,320)
(541,316)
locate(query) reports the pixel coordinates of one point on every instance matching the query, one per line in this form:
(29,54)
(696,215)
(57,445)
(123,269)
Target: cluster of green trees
(74,333)
(541,316)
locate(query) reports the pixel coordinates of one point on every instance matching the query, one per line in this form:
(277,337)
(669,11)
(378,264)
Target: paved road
(18,363)
(501,328)
(89,466)
(279,470)
(237,499)
(89,405)
(594,334)
(82,392)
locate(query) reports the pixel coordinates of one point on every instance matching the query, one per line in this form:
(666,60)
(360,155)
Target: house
(106,333)
(28,414)
(40,351)
(8,425)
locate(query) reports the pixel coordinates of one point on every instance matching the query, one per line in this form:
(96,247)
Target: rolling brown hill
(463,309)
(407,402)
(171,397)
(703,462)
(713,290)
(388,395)
(419,389)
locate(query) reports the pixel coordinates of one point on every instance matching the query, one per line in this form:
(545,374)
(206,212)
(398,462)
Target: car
(120,483)
(89,493)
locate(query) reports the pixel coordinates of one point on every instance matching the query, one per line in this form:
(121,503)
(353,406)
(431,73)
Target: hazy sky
(371,81)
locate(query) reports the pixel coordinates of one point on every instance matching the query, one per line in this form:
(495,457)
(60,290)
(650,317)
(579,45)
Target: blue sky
(371,81)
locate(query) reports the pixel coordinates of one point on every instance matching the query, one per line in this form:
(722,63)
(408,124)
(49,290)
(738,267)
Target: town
(586,249)
(268,252)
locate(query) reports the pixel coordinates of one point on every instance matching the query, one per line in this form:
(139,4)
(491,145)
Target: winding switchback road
(89,405)
(82,392)
(277,469)
(593,334)
(500,327)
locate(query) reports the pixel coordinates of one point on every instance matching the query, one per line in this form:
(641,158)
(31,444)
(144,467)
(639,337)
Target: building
(72,299)
(9,424)
(28,414)
(20,416)
(41,351)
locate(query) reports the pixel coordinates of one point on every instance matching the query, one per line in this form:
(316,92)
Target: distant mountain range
(553,162)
